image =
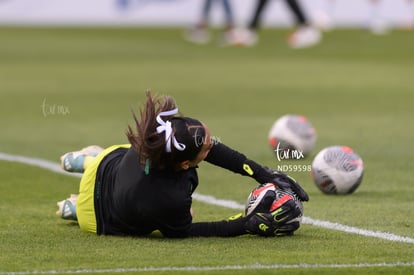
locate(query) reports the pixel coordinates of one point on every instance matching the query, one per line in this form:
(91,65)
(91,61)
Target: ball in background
(337,170)
(292,132)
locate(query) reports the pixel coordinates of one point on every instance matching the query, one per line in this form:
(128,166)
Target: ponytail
(162,139)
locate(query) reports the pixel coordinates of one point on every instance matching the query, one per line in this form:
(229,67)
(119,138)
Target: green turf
(64,88)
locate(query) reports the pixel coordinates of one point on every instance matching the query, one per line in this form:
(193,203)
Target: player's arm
(274,223)
(225,228)
(230,159)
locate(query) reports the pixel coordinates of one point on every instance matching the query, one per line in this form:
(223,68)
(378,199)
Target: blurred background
(326,13)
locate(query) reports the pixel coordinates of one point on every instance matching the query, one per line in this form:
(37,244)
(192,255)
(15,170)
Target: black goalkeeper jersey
(129,201)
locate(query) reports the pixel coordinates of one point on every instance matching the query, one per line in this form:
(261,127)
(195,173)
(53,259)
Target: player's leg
(229,31)
(199,34)
(305,35)
(298,13)
(78,161)
(228,13)
(255,22)
(247,37)
(81,207)
(67,208)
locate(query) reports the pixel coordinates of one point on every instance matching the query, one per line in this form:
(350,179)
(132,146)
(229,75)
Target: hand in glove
(285,181)
(276,223)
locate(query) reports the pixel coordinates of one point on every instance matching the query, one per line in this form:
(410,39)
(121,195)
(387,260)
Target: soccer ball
(258,193)
(337,170)
(292,137)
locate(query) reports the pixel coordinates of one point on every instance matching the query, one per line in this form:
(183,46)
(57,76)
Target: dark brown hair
(151,145)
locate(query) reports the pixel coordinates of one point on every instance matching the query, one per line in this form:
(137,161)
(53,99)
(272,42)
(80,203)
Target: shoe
(74,161)
(67,208)
(322,21)
(240,38)
(304,37)
(379,27)
(197,35)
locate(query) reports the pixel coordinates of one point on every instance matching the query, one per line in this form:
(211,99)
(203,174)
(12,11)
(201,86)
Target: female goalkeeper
(147,185)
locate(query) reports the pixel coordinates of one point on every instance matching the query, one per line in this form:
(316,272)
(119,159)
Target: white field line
(55,167)
(210,268)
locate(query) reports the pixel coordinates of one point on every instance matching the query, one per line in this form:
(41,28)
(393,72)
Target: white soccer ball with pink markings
(292,137)
(337,170)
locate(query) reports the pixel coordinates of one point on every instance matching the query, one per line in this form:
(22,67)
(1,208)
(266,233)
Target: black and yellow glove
(279,222)
(285,181)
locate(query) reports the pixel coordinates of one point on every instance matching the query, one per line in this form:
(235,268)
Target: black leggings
(293,5)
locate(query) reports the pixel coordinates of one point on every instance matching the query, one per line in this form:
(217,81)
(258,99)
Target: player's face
(205,148)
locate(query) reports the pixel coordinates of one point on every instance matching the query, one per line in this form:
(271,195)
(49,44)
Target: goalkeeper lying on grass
(147,185)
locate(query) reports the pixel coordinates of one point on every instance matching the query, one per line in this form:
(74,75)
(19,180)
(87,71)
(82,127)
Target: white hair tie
(166,126)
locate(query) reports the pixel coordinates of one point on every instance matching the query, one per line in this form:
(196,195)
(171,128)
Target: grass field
(62,89)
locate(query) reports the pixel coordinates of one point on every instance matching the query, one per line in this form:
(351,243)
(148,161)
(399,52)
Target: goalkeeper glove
(260,200)
(275,223)
(285,181)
